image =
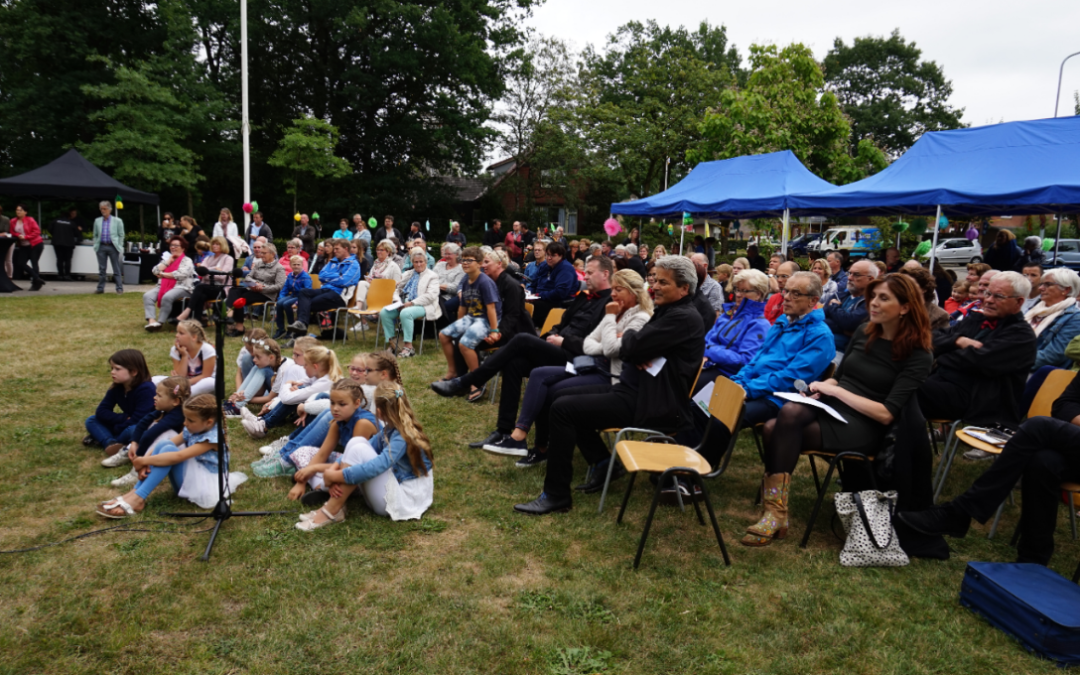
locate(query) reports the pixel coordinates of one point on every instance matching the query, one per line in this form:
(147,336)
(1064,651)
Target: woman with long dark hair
(886,361)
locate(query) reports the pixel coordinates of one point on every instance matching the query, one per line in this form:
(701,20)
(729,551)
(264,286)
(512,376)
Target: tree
(889,94)
(783,107)
(308,147)
(143,132)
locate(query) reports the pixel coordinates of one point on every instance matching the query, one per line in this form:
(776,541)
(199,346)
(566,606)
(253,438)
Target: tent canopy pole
(933,247)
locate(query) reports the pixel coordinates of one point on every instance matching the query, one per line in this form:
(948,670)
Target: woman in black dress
(191,232)
(886,361)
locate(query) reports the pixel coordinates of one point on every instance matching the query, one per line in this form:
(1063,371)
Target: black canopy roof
(72,176)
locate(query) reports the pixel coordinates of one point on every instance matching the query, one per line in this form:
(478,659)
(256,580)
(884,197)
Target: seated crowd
(605,336)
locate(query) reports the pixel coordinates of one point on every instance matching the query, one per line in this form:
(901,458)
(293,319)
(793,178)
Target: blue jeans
(316,300)
(246,364)
(105,434)
(109,253)
(312,434)
(158,473)
(278,415)
(284,312)
(256,379)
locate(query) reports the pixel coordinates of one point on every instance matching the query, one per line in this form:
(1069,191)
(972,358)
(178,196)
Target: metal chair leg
(607,480)
(712,518)
(1072,515)
(825,488)
(997,519)
(951,449)
(423,329)
(626,497)
(813,470)
(649,519)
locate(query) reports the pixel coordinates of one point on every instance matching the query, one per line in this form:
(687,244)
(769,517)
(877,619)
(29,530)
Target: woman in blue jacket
(1056,318)
(738,333)
(556,283)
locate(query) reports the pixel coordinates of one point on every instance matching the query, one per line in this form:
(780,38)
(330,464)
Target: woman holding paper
(886,361)
(417,296)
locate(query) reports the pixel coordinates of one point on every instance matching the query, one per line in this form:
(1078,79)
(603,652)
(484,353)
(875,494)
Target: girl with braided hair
(393,470)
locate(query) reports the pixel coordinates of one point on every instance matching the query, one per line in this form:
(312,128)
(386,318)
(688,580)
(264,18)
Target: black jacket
(580,318)
(493,236)
(380,234)
(704,308)
(676,333)
(1067,407)
(637,264)
(995,373)
(514,317)
(65,232)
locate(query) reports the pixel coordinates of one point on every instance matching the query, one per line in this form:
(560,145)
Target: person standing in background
(28,246)
(108,242)
(226,226)
(169,229)
(66,234)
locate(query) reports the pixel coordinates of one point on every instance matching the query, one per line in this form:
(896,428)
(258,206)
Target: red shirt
(774,307)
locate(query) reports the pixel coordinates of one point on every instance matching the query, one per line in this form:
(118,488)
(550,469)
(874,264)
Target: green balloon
(918,228)
(372,223)
(254,206)
(901,226)
(923,248)
(1047,244)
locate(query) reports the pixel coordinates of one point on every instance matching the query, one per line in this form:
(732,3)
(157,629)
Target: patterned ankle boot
(774,524)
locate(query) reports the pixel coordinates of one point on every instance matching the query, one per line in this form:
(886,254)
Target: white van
(859,241)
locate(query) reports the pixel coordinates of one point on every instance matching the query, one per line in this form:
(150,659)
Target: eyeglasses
(468,261)
(999,296)
(1047,284)
(793,294)
(355,369)
(856,275)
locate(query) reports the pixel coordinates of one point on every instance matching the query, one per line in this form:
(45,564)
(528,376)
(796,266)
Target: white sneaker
(247,414)
(119,459)
(276,446)
(976,455)
(256,428)
(129,478)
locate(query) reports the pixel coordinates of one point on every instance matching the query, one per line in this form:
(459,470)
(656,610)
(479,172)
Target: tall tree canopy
(783,107)
(891,96)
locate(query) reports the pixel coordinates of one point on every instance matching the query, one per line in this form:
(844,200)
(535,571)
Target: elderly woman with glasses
(294,247)
(383,268)
(740,329)
(450,274)
(176,280)
(1056,317)
(418,293)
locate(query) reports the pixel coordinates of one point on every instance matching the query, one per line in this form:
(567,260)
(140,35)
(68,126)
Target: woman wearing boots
(886,361)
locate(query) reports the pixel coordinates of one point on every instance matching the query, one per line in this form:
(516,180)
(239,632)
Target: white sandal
(310,515)
(104,508)
(309,525)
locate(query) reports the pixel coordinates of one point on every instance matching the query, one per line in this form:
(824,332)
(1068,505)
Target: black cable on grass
(115,528)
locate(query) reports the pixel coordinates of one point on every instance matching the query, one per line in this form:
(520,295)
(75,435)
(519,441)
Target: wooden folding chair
(660,454)
(315,283)
(350,303)
(380,294)
(529,307)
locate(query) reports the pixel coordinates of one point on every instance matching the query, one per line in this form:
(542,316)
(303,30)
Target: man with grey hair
(712,290)
(847,311)
(455,236)
(835,260)
(108,244)
(1031,254)
(983,361)
(661,401)
(633,261)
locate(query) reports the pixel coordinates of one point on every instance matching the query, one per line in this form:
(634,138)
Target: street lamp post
(1061,71)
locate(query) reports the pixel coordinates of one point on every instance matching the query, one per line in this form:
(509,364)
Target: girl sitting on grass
(189,460)
(132,391)
(244,362)
(193,357)
(348,409)
(165,421)
(394,471)
(322,367)
(256,388)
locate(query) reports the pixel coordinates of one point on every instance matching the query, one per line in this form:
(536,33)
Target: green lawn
(472,588)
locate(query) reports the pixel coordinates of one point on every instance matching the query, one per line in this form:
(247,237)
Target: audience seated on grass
(847,311)
(193,357)
(1040,457)
(384,267)
(189,460)
(661,401)
(131,390)
(257,387)
(774,305)
(527,351)
(394,471)
(556,282)
(209,286)
(887,359)
(176,280)
(166,420)
(629,310)
(418,293)
(983,361)
(260,286)
(477,323)
(737,334)
(450,274)
(322,370)
(244,362)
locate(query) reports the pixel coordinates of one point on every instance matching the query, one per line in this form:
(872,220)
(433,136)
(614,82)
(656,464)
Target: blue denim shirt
(392,455)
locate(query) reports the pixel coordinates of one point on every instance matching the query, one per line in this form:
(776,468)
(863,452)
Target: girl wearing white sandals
(189,460)
(394,470)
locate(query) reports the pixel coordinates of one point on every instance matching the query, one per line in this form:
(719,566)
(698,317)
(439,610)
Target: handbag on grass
(871,539)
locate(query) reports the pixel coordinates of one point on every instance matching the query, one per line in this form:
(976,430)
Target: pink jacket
(30,230)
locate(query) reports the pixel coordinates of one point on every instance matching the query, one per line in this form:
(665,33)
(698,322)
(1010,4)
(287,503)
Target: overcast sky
(1002,56)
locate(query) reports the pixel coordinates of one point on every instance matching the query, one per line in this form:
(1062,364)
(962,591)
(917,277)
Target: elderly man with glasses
(983,361)
(847,311)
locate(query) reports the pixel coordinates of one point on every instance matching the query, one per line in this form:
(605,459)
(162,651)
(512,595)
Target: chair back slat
(553,319)
(529,308)
(381,292)
(315,283)
(1050,391)
(698,376)
(726,403)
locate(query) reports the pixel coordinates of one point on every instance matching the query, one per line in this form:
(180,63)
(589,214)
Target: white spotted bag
(871,539)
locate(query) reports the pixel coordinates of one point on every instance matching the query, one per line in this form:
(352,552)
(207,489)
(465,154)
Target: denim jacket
(392,455)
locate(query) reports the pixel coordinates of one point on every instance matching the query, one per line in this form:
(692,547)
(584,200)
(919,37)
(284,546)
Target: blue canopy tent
(754,186)
(1001,169)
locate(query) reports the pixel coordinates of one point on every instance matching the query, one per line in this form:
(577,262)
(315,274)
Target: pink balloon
(612,227)
(248,208)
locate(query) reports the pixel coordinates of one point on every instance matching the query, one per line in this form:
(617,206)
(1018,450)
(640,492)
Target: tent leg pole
(933,247)
(1057,239)
(786,233)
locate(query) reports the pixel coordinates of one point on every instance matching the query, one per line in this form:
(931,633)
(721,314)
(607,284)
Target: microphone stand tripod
(221,512)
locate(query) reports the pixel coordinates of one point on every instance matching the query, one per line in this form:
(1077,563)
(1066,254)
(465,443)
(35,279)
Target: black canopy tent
(72,176)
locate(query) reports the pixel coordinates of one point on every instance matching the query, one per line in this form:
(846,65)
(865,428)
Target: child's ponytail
(393,404)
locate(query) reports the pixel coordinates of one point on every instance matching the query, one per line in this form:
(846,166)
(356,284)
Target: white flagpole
(245,125)
(933,248)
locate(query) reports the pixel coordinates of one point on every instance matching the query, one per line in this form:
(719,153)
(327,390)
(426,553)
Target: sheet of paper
(799,398)
(394,305)
(530,297)
(703,397)
(656,366)
(981,434)
(570,368)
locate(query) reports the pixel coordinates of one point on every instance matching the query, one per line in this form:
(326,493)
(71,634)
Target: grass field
(471,588)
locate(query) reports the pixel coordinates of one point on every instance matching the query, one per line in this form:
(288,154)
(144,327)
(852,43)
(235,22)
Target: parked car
(801,244)
(957,251)
(1068,254)
(859,242)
